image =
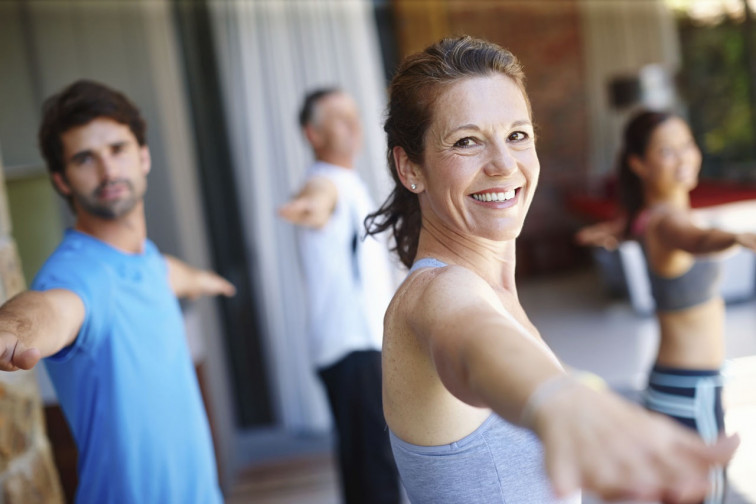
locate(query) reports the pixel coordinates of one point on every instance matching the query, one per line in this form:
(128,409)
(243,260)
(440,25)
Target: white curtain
(271,53)
(620,37)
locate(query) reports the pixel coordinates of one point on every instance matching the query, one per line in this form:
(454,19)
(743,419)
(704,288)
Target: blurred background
(220,83)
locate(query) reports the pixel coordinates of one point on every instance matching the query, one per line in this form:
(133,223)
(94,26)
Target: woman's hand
(747,240)
(604,234)
(617,450)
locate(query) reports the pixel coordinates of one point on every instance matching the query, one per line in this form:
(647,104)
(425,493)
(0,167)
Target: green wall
(35,216)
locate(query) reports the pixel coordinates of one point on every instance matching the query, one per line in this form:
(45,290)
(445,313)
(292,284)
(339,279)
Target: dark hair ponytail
(635,142)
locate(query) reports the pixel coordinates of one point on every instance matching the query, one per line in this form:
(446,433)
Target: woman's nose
(502,162)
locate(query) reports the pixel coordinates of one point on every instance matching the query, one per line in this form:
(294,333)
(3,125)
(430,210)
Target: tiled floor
(587,331)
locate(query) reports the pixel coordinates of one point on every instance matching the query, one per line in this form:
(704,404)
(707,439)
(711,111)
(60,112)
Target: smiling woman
(480,145)
(479,408)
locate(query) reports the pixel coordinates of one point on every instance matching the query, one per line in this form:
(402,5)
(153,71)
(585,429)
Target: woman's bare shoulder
(430,296)
(450,279)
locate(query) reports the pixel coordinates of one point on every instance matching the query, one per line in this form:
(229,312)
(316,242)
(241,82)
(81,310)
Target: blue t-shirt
(127,384)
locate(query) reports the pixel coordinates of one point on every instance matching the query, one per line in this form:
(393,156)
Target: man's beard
(110,210)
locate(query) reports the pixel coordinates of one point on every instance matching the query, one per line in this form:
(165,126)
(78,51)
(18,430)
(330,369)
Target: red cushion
(707,193)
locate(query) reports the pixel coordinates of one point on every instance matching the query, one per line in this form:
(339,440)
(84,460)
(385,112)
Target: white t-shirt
(349,278)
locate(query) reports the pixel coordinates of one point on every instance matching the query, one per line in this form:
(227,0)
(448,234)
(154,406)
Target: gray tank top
(498,463)
(694,287)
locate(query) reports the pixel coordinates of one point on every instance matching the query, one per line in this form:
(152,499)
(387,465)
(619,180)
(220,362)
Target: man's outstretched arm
(313,205)
(38,324)
(189,282)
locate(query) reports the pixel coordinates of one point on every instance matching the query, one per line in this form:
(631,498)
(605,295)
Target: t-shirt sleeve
(93,284)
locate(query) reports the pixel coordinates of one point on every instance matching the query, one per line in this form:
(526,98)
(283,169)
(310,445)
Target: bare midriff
(693,338)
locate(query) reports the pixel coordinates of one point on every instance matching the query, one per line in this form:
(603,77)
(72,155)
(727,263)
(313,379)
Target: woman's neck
(492,261)
(678,199)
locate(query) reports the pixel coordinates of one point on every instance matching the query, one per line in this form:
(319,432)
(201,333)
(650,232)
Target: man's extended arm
(189,282)
(38,324)
(313,205)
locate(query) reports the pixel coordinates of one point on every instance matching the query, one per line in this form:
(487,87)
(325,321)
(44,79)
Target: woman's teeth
(500,196)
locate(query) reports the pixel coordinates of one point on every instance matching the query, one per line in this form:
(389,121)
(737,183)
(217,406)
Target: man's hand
(38,324)
(189,282)
(14,355)
(209,283)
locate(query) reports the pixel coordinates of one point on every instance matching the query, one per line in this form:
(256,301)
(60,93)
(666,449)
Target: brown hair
(77,105)
(419,81)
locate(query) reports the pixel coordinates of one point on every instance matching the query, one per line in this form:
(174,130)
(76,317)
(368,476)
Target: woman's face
(672,159)
(480,167)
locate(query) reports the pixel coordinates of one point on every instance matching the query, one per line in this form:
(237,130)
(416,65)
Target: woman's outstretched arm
(676,230)
(592,438)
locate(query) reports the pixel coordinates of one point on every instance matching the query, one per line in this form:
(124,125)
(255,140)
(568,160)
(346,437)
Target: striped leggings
(693,398)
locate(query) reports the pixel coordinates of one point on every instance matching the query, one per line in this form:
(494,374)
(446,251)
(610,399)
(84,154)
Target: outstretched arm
(677,230)
(189,282)
(605,234)
(592,438)
(38,324)
(313,205)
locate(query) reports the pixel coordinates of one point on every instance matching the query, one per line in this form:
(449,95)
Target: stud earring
(413,186)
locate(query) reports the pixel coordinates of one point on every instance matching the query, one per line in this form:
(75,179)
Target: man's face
(337,125)
(105,168)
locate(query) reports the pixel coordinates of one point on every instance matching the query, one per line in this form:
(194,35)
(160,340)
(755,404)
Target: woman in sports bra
(658,167)
(479,408)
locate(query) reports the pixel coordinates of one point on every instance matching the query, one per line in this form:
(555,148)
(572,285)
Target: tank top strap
(639,225)
(431,262)
(426,262)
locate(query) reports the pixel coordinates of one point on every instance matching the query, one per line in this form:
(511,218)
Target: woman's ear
(409,172)
(637,165)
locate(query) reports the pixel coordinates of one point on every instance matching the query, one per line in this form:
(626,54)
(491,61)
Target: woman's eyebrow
(521,122)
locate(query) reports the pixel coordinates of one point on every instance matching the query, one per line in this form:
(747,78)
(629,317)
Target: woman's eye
(518,135)
(464,142)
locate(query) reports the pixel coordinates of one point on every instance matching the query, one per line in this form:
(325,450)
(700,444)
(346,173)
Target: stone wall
(27,472)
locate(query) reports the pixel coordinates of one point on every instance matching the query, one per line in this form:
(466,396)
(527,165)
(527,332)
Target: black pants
(368,471)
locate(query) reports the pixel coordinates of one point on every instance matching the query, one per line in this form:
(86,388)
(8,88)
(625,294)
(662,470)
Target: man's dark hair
(311,100)
(78,104)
